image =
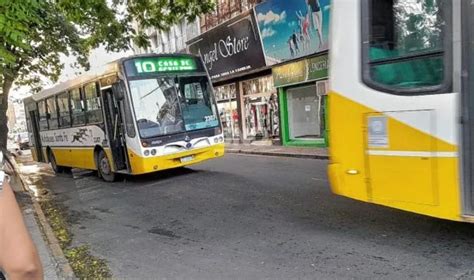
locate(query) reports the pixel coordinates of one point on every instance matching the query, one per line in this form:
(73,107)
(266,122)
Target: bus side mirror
(118,90)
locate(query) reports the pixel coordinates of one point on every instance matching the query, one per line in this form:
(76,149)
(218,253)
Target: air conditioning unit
(322,87)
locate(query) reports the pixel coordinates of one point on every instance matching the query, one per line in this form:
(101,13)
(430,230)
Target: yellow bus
(401,114)
(136,115)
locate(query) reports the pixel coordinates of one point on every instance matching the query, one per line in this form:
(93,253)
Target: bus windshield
(164,107)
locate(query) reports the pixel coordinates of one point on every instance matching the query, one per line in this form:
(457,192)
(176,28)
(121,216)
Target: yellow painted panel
(406,138)
(402,179)
(75,157)
(347,150)
(142,165)
(448,203)
(346,145)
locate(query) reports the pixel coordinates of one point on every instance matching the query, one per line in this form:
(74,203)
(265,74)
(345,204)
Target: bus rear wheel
(52,160)
(104,168)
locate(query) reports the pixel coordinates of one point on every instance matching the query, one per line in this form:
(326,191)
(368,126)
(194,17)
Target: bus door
(114,128)
(36,141)
(467,102)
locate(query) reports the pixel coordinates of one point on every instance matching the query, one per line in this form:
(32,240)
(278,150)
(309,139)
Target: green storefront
(302,88)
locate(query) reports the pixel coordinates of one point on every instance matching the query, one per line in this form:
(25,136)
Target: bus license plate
(187,159)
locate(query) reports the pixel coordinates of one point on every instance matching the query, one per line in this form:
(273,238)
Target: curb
(277,154)
(62,263)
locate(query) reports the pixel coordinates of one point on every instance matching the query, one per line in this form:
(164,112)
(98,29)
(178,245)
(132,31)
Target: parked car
(23,140)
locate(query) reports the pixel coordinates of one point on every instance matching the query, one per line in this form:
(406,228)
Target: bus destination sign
(164,64)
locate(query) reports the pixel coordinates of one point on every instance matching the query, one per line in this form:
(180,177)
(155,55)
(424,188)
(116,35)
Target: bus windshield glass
(167,105)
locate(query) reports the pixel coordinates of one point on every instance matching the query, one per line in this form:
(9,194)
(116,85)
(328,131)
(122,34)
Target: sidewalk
(280,151)
(51,265)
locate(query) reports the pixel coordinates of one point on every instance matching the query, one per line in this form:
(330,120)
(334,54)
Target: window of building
(225,10)
(405,44)
(43,119)
(93,108)
(52,112)
(258,86)
(305,113)
(165,41)
(63,107)
(77,108)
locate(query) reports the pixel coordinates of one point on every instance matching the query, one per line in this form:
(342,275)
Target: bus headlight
(216,140)
(147,152)
(153,152)
(221,139)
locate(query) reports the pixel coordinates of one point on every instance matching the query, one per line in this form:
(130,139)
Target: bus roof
(94,74)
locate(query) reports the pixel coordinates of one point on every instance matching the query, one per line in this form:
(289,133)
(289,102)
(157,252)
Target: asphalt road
(248,217)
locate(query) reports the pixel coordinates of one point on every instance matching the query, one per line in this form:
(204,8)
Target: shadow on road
(137,179)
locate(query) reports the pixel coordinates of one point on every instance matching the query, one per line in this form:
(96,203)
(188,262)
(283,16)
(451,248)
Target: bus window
(52,112)
(77,108)
(94,111)
(63,107)
(43,120)
(129,122)
(197,103)
(405,44)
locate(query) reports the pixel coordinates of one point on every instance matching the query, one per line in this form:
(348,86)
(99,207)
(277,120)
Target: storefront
(247,99)
(302,87)
(226,96)
(260,109)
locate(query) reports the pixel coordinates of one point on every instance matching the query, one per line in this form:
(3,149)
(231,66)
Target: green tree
(34,33)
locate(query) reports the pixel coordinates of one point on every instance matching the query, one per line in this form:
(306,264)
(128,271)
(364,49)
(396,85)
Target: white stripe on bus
(412,154)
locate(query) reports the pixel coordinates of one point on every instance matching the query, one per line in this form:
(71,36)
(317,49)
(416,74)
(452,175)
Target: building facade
(295,42)
(16,116)
(11,117)
(268,63)
(247,99)
(170,41)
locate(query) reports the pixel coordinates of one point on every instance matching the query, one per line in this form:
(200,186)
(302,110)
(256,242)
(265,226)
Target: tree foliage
(34,33)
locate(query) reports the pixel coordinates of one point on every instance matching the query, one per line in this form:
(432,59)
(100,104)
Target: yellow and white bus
(136,115)
(401,105)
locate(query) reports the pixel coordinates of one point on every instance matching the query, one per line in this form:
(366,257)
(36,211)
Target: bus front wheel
(105,170)
(57,169)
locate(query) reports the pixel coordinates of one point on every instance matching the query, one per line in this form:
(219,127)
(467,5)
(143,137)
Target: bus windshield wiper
(152,91)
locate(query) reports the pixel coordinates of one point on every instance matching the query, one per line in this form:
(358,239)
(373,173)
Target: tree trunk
(6,86)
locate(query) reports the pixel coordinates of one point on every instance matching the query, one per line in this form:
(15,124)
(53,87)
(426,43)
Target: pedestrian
(18,255)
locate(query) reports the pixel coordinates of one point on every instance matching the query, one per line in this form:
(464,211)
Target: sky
(97,58)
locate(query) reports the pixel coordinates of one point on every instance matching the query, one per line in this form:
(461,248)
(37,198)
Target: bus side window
(52,112)
(401,57)
(77,109)
(93,106)
(63,107)
(43,121)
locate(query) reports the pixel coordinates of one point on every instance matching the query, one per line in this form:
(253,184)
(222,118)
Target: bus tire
(52,160)
(104,168)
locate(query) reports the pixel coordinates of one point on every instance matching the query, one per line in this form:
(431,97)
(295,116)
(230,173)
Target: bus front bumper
(143,165)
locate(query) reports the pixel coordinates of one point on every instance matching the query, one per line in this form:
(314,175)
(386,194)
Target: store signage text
(314,68)
(231,47)
(226,48)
